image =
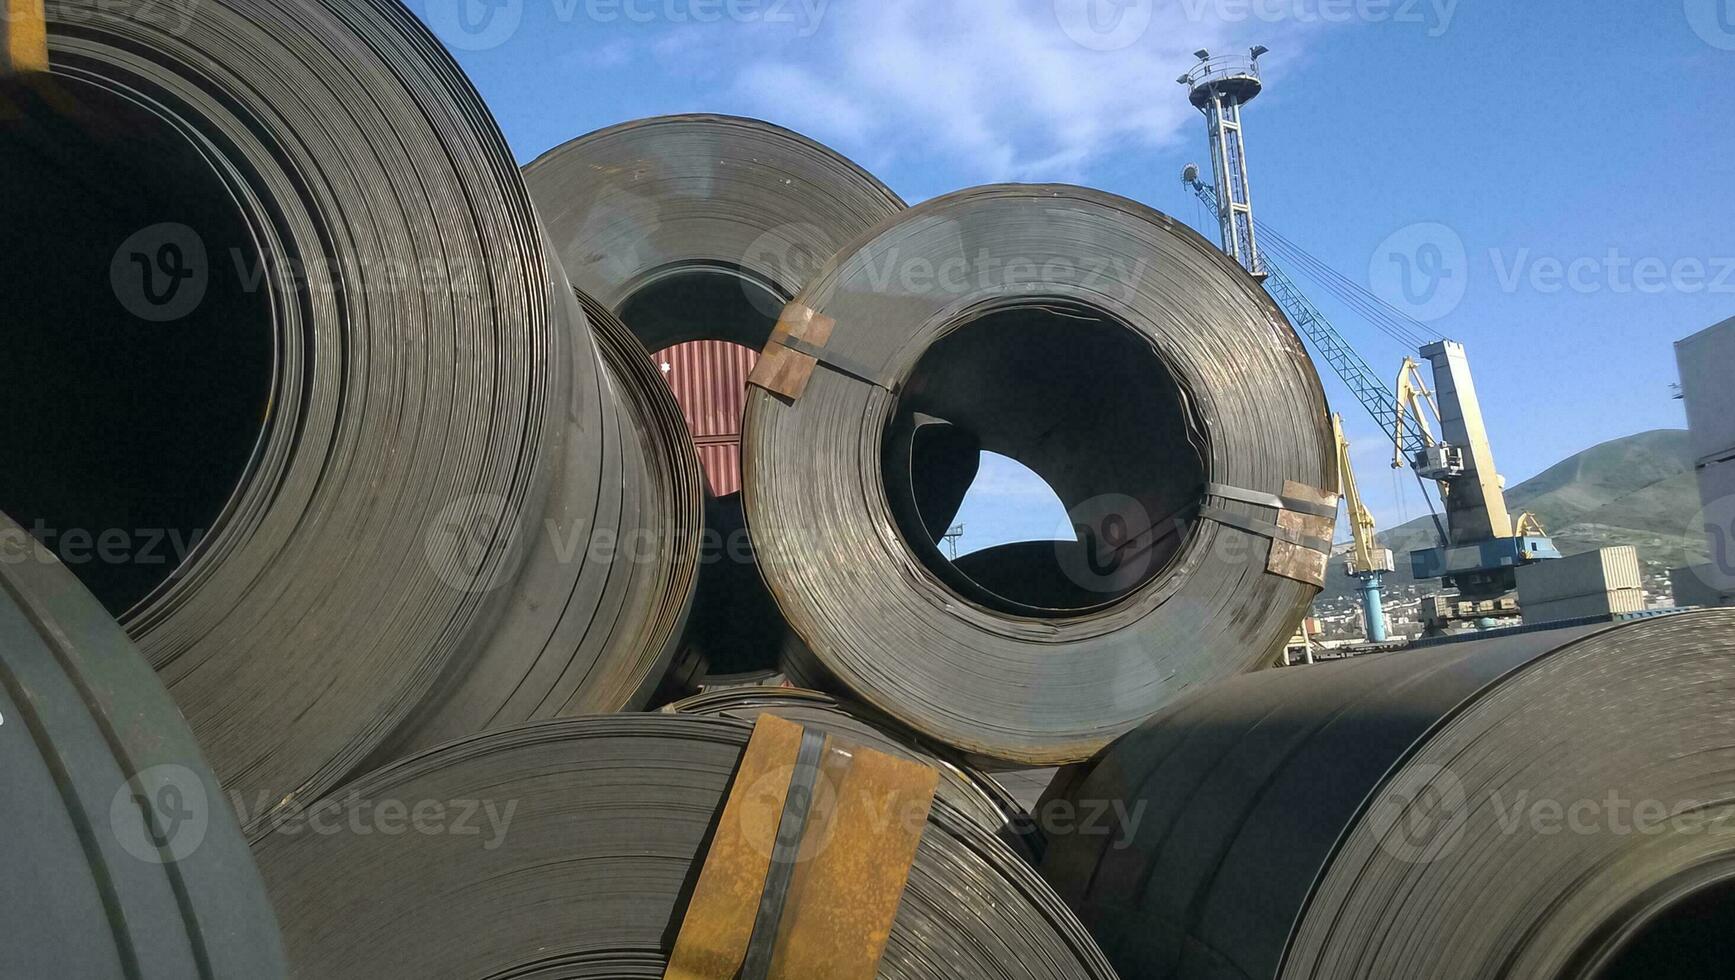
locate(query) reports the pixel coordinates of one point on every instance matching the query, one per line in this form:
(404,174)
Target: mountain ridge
(1638,490)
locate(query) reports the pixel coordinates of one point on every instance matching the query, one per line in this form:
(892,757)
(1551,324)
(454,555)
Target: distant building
(1707,365)
(709,378)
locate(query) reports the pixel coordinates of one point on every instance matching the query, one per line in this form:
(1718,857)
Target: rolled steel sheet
(1118,355)
(700,227)
(1558,803)
(600,608)
(406,352)
(122,856)
(599,829)
(971,792)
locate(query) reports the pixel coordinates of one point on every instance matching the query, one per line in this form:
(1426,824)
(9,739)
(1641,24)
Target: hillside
(1637,490)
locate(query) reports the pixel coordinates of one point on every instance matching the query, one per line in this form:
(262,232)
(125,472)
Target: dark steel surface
(97,883)
(1354,819)
(1156,366)
(425,358)
(700,227)
(609,828)
(601,604)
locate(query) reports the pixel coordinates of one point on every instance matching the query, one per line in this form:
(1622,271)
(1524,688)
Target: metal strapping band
(835,361)
(1264,529)
(1263,499)
(784,852)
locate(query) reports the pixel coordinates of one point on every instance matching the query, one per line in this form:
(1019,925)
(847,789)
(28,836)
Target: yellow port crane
(1368,562)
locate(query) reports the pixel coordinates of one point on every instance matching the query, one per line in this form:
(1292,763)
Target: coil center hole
(702,301)
(1092,410)
(136,360)
(1692,938)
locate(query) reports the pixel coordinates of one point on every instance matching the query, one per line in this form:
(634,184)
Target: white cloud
(996,90)
(614,54)
(809,104)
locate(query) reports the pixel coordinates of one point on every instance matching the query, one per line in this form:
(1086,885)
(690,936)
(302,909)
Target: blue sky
(1580,154)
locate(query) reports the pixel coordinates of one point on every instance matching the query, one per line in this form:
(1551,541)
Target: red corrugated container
(709,379)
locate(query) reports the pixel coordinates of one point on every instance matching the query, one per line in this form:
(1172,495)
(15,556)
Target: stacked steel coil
(600,607)
(700,227)
(426,499)
(1551,804)
(1113,351)
(122,857)
(405,352)
(598,827)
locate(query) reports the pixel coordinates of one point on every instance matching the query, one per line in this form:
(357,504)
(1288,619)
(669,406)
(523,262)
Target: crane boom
(1367,387)
(1361,520)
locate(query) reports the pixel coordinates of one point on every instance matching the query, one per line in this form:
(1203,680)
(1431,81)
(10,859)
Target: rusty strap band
(808,862)
(1264,529)
(26,35)
(797,346)
(1301,534)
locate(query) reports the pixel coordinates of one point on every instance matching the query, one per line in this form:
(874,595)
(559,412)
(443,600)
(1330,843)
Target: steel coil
(602,827)
(1553,804)
(973,794)
(1124,359)
(597,613)
(287,261)
(122,858)
(700,227)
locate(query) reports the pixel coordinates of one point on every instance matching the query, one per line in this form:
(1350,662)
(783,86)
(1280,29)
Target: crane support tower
(1481,545)
(1485,545)
(1219,88)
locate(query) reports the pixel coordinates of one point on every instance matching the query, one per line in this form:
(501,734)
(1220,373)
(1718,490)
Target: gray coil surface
(1553,804)
(594,617)
(122,856)
(1111,350)
(369,397)
(609,824)
(700,227)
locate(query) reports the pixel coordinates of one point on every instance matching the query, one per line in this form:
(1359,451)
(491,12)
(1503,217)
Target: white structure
(1707,366)
(1587,586)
